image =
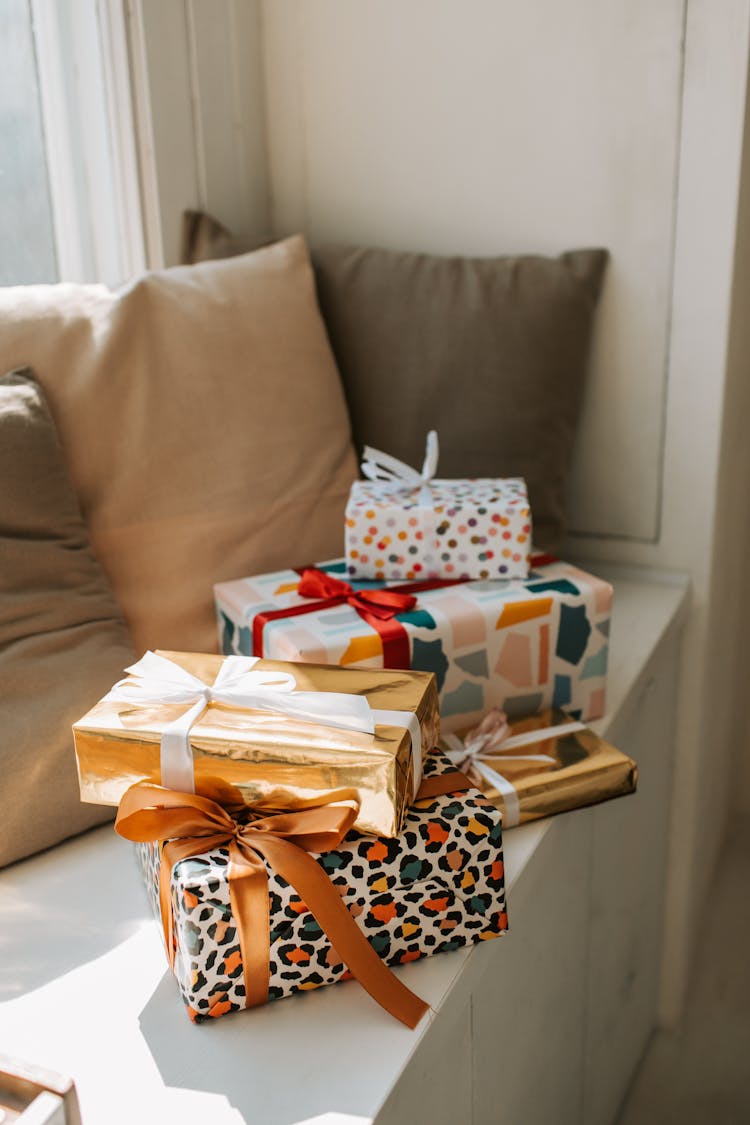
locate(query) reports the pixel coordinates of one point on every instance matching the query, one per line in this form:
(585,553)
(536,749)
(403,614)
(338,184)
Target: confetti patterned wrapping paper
(522,644)
(447,529)
(435,888)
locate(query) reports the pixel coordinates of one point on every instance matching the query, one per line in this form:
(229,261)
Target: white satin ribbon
(493,742)
(381,466)
(156,679)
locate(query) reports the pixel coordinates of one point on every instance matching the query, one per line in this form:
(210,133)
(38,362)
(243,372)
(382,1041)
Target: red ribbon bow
(383,604)
(377,607)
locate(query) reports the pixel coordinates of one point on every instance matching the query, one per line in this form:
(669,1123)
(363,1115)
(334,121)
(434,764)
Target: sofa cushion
(63,641)
(491,352)
(203,422)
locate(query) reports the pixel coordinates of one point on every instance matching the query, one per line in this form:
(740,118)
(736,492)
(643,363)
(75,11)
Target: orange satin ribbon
(193,825)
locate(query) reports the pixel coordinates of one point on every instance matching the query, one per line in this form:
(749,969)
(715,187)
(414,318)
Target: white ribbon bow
(491,739)
(383,467)
(156,679)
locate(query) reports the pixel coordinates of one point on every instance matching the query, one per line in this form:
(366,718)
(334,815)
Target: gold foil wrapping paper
(264,759)
(586,770)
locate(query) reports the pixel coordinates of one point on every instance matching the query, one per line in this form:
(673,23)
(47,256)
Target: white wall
(730,662)
(490,126)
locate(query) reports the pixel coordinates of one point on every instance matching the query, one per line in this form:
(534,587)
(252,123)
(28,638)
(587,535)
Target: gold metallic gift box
(266,759)
(584,769)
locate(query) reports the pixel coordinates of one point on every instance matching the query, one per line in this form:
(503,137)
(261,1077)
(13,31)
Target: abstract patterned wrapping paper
(521,644)
(436,887)
(585,770)
(462,529)
(273,760)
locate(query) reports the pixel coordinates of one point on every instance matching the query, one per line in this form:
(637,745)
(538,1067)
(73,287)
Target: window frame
(90,139)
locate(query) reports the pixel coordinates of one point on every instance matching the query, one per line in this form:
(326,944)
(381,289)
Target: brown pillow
(204,239)
(491,352)
(204,425)
(62,639)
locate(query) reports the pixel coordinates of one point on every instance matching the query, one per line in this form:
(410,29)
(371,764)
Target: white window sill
(85,989)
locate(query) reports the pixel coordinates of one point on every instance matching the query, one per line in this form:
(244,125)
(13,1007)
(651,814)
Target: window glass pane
(27,245)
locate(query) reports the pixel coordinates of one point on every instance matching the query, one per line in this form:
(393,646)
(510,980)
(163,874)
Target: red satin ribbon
(377,607)
(542,560)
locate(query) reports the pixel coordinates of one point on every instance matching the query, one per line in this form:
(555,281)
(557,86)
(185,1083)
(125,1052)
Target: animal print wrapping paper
(436,887)
(522,644)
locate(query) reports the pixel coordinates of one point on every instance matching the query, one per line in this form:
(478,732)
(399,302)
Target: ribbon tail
(165,906)
(176,754)
(322,899)
(248,895)
(394,638)
(540,734)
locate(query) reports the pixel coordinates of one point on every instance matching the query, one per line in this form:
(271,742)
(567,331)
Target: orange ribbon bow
(193,825)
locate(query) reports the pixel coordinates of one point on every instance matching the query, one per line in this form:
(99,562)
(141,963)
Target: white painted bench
(543,1026)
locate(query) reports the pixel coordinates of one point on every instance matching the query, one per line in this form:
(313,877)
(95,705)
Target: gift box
(540,766)
(273,733)
(403,525)
(523,644)
(436,887)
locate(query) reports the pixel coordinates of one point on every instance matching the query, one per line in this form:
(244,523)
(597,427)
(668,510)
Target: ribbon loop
(195,825)
(316,583)
(381,466)
(396,476)
(384,603)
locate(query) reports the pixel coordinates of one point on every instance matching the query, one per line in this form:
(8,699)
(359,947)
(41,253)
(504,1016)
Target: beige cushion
(63,642)
(204,424)
(492,352)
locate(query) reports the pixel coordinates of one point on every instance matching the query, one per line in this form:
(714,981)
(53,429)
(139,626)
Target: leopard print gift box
(436,887)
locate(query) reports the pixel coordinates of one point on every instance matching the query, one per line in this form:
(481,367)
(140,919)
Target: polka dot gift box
(524,644)
(404,525)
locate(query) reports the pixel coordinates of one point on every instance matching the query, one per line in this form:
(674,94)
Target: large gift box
(436,887)
(269,733)
(523,644)
(404,525)
(541,765)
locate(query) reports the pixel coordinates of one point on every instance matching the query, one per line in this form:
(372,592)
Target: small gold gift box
(540,766)
(262,732)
